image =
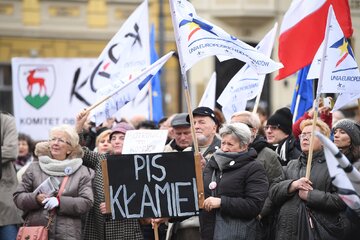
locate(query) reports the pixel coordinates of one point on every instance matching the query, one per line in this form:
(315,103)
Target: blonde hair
(324,128)
(69,131)
(104,134)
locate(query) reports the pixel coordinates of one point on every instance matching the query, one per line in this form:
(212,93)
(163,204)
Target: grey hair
(69,131)
(239,130)
(252,118)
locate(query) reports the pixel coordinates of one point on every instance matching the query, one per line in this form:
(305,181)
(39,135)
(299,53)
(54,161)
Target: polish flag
(303,30)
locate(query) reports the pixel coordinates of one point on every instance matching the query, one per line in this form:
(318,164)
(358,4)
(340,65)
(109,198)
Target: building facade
(82,28)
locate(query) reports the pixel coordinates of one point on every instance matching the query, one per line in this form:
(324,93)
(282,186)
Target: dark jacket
(291,152)
(268,158)
(323,201)
(242,186)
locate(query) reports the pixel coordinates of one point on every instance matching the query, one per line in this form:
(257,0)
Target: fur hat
(351,128)
(283,119)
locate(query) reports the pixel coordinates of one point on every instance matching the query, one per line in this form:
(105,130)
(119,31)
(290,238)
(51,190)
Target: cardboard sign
(152,185)
(144,141)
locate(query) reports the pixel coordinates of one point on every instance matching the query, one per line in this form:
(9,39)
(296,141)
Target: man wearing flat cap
(182,134)
(205,124)
(278,131)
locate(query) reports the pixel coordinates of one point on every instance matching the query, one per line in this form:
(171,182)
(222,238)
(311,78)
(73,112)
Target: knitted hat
(351,128)
(283,119)
(121,127)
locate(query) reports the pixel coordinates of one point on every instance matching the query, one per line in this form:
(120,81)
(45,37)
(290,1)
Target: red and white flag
(303,30)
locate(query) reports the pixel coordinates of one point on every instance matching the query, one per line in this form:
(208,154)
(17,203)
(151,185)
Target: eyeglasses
(60,140)
(271,127)
(306,135)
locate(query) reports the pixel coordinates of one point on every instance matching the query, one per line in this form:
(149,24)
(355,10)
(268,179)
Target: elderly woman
(236,187)
(59,157)
(297,196)
(99,224)
(347,139)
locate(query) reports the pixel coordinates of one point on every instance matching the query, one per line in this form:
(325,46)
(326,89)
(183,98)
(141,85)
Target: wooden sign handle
(199,179)
(156,231)
(105,174)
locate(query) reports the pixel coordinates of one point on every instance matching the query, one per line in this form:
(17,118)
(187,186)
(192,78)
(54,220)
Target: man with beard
(205,124)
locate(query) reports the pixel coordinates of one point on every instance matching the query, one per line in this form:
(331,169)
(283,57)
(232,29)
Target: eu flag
(303,94)
(156,94)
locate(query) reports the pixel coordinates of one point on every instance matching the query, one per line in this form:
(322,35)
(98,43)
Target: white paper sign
(144,141)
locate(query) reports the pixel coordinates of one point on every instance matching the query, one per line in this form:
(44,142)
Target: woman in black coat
(297,196)
(235,187)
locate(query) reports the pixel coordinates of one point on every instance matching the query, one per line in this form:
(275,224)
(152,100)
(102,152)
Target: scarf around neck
(223,159)
(59,168)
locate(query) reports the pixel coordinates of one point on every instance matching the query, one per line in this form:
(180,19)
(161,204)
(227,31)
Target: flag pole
(318,92)
(151,115)
(257,101)
(296,108)
(197,154)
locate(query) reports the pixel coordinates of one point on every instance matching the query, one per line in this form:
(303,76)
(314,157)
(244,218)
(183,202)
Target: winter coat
(9,214)
(268,158)
(323,201)
(75,201)
(242,187)
(287,150)
(99,226)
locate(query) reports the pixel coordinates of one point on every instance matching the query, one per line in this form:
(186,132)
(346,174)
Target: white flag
(196,38)
(246,84)
(122,92)
(341,73)
(345,98)
(347,184)
(208,98)
(128,52)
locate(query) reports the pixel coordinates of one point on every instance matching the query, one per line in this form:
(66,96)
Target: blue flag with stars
(303,94)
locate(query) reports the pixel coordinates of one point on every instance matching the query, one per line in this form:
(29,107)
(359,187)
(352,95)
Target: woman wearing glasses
(61,156)
(297,196)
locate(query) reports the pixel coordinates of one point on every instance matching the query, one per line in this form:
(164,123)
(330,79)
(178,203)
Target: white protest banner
(198,38)
(50,91)
(144,141)
(341,73)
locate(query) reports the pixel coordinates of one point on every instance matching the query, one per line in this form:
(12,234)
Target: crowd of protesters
(253,173)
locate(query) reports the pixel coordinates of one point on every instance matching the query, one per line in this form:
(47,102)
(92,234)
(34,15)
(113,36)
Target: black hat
(351,128)
(283,119)
(204,111)
(179,120)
